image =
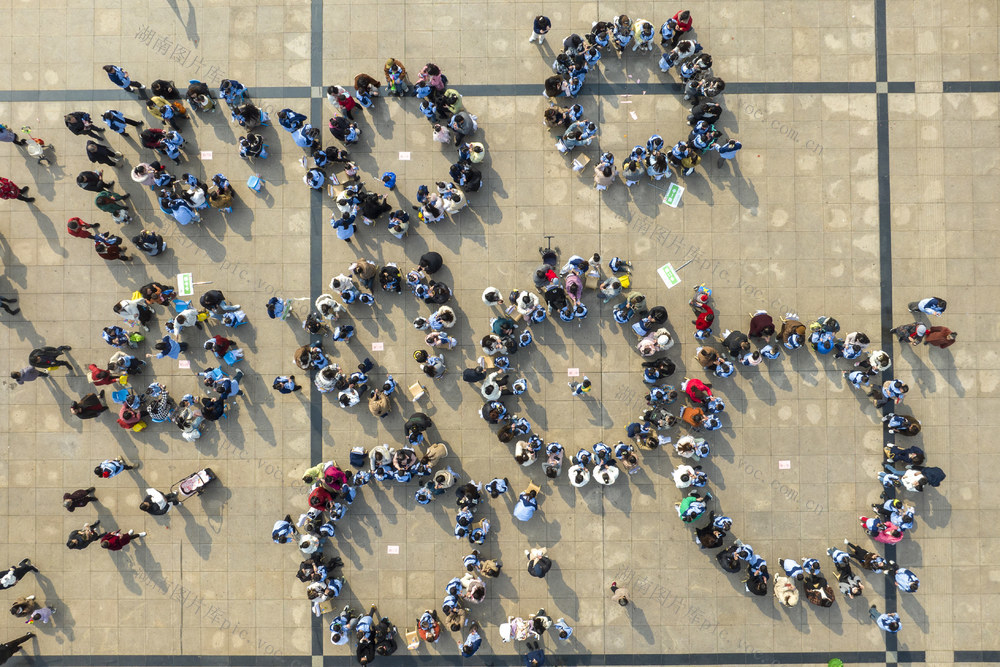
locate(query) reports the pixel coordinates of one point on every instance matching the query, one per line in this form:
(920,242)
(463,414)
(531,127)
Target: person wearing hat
(116,540)
(910,333)
(112,467)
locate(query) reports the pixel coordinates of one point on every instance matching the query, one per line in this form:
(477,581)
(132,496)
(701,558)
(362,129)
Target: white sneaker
(142,534)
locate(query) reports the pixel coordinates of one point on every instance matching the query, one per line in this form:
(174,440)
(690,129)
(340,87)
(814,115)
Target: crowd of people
(557,293)
(680,52)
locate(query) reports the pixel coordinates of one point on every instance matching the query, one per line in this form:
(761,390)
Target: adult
(117,540)
(16,573)
(8,190)
(538,562)
(79,498)
(619,595)
(47,357)
(89,407)
(940,337)
(8,649)
(120,78)
(527,505)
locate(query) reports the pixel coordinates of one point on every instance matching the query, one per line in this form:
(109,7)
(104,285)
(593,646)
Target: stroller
(193,485)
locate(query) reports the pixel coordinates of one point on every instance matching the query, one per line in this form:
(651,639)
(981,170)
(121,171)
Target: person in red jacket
(116,540)
(320,499)
(8,190)
(680,23)
(111,252)
(78,228)
(347,104)
(696,390)
(100,376)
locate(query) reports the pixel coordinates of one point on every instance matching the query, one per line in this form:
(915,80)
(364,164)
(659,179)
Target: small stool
(417,391)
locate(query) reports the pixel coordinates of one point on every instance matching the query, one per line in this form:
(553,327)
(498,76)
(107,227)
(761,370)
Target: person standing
(539,28)
(8,649)
(78,228)
(112,467)
(472,643)
(580,388)
(92,181)
(23,606)
(727,151)
(7,134)
(619,595)
(46,357)
(930,306)
(941,337)
(111,252)
(887,622)
(563,628)
(110,202)
(168,347)
(99,154)
(79,123)
(117,540)
(527,505)
(81,539)
(42,614)
(30,373)
(539,563)
(119,122)
(79,498)
(16,573)
(120,78)
(9,190)
(156,503)
(89,406)
(535,656)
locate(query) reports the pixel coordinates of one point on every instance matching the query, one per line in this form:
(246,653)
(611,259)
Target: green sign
(668,275)
(185,284)
(673,196)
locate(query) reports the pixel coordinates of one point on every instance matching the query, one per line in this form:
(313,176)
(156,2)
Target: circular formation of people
(558,291)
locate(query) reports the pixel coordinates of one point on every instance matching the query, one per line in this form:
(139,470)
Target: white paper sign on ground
(185,284)
(673,195)
(206,155)
(404,155)
(378,346)
(784,465)
(183,363)
(668,275)
(573,372)
(392,549)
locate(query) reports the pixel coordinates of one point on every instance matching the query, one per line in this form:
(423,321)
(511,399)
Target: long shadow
(49,231)
(63,622)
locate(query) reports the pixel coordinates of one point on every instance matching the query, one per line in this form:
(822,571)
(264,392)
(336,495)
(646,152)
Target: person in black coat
(93,181)
(430,262)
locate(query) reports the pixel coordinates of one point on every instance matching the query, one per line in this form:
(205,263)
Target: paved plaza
(869,178)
